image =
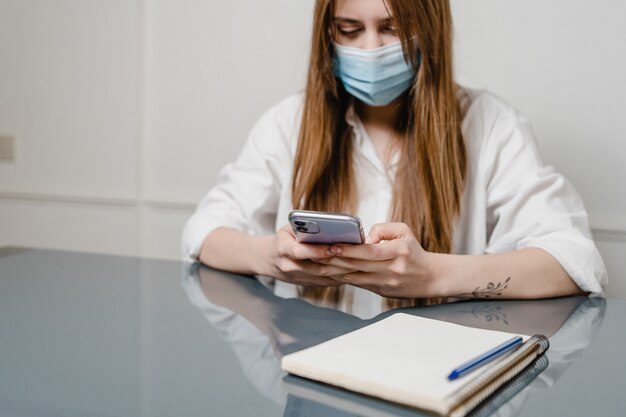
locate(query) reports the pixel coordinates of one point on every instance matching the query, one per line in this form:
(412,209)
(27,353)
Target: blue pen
(485,358)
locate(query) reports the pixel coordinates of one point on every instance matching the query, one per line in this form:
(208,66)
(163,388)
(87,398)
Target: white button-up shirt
(511,199)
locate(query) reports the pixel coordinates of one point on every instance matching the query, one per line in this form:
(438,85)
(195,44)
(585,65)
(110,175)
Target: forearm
(235,251)
(525,273)
(279,256)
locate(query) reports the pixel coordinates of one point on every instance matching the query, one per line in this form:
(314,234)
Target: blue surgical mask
(378,76)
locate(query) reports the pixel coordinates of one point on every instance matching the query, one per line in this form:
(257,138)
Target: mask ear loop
(332,39)
(331,51)
(387,9)
(415,61)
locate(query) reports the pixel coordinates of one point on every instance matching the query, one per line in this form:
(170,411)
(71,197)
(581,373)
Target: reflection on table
(262,327)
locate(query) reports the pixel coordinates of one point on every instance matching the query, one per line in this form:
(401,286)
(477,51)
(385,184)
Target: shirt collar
(353,120)
(358,130)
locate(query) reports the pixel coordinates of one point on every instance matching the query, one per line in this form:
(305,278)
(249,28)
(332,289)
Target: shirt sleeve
(247,193)
(530,205)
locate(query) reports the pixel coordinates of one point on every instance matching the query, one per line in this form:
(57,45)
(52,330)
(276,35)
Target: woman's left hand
(391,263)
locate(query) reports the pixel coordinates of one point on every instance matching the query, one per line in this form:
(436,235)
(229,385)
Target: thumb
(287,229)
(387,231)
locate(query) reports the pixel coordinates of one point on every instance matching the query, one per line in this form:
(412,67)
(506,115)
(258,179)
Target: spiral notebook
(406,359)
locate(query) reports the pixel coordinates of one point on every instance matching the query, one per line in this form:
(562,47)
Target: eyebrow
(340,19)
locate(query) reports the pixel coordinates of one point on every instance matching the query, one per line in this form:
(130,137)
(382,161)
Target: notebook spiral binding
(511,388)
(470,396)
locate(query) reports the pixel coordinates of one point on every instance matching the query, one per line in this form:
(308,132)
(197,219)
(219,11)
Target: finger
(288,246)
(294,273)
(359,279)
(290,266)
(388,231)
(312,280)
(383,251)
(287,229)
(308,251)
(325,270)
(371,281)
(355,264)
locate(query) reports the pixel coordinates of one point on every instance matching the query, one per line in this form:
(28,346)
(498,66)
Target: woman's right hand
(290,261)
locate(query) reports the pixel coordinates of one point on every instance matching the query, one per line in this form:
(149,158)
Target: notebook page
(402,358)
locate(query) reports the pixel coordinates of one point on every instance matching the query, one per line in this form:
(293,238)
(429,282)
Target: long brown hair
(431,173)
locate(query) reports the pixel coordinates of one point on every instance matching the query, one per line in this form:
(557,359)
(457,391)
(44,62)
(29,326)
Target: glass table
(96,335)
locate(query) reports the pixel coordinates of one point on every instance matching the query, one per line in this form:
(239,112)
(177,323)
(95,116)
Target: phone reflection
(262,327)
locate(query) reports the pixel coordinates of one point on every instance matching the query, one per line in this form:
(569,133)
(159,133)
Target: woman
(449,179)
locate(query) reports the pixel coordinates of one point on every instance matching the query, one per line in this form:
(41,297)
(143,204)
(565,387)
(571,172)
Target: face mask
(376,77)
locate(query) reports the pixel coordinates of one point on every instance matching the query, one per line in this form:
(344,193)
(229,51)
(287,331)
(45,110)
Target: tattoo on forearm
(491,290)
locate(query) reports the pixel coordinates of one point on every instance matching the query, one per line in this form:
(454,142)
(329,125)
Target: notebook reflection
(262,327)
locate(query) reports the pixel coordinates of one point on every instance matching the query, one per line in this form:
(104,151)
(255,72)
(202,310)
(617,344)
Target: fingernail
(336,250)
(368,239)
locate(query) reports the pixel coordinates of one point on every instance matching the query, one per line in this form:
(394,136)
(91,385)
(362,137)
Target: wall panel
(69,94)
(112,229)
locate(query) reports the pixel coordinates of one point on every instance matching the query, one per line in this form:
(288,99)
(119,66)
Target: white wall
(211,68)
(68,93)
(69,77)
(125,110)
(562,63)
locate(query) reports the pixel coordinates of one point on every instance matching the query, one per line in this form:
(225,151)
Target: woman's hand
(290,261)
(391,263)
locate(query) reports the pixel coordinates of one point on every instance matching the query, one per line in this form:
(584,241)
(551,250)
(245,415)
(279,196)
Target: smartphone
(327,228)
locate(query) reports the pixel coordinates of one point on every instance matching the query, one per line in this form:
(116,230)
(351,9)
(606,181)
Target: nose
(372,40)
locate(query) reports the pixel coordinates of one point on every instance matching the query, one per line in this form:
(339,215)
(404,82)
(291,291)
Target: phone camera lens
(299,223)
(302,229)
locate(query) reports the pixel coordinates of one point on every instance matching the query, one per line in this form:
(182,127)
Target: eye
(348,32)
(389,29)
(348,29)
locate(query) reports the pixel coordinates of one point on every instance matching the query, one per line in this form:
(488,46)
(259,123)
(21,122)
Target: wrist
(439,274)
(261,261)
